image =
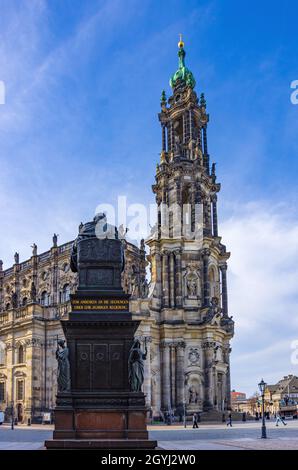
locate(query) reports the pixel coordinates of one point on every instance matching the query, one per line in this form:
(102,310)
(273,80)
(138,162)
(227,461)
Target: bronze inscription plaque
(105,304)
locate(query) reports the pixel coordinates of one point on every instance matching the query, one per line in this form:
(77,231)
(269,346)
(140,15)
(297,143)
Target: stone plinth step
(100,444)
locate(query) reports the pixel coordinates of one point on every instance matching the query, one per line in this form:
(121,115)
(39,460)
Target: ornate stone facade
(183,312)
(34,296)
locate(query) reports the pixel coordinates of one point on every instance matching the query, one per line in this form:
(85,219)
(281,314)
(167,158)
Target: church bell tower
(188,261)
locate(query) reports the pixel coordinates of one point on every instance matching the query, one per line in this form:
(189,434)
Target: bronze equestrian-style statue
(63,375)
(136,366)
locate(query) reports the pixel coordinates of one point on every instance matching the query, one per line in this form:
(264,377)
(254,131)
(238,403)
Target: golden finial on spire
(180,43)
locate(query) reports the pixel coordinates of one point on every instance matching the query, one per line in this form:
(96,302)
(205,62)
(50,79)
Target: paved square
(208,437)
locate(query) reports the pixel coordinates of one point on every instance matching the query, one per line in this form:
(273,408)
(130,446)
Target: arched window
(65,294)
(24,301)
(2,353)
(21,354)
(7,307)
(44,299)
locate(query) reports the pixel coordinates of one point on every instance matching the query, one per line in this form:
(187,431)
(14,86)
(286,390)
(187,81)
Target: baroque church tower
(188,261)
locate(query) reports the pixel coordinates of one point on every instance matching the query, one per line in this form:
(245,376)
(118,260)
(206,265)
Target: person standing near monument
(195,421)
(229,423)
(279,419)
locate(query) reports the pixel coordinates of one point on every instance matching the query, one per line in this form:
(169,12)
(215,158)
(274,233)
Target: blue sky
(79,126)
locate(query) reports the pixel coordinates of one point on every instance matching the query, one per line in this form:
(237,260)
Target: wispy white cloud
(263,296)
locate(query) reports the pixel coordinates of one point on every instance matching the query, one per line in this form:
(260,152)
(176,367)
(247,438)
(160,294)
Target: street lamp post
(262,386)
(184,414)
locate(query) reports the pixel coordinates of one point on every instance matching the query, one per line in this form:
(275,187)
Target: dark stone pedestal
(100,411)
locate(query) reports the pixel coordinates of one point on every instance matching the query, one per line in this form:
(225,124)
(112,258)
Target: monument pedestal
(99,410)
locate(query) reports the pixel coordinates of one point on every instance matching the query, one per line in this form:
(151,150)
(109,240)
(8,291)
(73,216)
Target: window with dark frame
(20,390)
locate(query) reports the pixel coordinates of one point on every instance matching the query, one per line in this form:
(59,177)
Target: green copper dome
(182,74)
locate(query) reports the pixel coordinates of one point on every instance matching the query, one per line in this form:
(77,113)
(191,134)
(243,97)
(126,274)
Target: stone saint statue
(136,366)
(191,287)
(16,258)
(63,374)
(55,239)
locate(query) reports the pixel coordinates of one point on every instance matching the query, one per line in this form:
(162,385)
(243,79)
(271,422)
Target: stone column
(224,290)
(214,215)
(165,279)
(224,392)
(34,351)
(205,140)
(165,374)
(193,212)
(172,280)
(177,224)
(172,137)
(200,139)
(16,268)
(190,123)
(164,232)
(228,378)
(209,217)
(158,380)
(205,151)
(54,294)
(173,374)
(184,128)
(163,137)
(180,378)
(208,349)
(178,278)
(147,371)
(158,275)
(206,284)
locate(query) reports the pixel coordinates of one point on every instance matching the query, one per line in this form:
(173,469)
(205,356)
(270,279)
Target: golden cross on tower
(180,43)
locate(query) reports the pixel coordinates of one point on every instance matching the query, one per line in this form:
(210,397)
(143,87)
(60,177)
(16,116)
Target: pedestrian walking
(195,421)
(279,419)
(229,423)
